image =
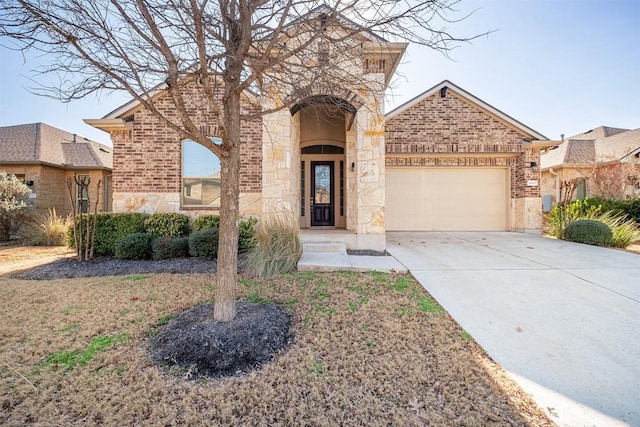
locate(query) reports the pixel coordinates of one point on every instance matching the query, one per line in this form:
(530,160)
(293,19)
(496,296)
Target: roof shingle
(41,143)
(603,144)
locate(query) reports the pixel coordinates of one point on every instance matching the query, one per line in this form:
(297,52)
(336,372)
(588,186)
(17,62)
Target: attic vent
(443,92)
(324,50)
(210,130)
(375,65)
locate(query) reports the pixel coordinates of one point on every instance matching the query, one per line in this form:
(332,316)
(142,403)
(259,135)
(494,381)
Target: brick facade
(451,131)
(147,159)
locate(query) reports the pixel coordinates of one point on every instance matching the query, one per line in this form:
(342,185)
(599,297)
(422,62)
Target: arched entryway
(323,127)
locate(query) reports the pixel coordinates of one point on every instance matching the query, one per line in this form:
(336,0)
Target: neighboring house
(44,157)
(604,162)
(444,161)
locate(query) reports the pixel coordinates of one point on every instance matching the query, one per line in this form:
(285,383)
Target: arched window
(200,176)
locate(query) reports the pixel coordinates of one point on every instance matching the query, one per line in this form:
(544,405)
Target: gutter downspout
(557,184)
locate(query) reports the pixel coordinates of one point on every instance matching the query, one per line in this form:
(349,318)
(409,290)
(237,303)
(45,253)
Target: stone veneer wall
(370,161)
(281,164)
(147,159)
(450,131)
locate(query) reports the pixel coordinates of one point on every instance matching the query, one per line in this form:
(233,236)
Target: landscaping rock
(204,347)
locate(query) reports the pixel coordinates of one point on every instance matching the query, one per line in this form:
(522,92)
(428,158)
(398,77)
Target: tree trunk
(225,303)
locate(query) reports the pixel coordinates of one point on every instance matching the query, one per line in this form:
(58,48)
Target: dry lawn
(370,349)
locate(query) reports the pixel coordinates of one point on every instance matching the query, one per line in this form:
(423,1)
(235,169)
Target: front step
(324,247)
(332,256)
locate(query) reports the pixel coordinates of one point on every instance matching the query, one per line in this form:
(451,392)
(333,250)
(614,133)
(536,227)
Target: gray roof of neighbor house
(600,145)
(44,144)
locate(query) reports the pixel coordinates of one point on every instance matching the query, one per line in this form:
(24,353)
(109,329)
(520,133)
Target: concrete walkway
(562,318)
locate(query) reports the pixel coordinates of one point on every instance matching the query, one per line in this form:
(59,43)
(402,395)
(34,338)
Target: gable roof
(610,144)
(44,144)
(372,44)
(448,85)
(324,10)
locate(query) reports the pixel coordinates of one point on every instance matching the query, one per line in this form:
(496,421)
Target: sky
(557,66)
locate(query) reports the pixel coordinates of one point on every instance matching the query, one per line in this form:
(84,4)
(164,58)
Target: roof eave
(544,144)
(66,166)
(109,125)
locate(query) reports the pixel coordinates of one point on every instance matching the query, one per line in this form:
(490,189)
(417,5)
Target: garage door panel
(447,199)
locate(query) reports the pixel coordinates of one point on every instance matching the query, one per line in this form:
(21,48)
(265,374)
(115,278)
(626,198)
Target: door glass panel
(322,184)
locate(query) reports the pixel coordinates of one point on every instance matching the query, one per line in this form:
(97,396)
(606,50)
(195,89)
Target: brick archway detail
(325,94)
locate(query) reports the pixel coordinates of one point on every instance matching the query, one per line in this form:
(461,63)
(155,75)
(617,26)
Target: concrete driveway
(562,318)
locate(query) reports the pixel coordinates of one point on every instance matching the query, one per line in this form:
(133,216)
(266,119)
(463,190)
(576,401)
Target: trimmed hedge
(204,243)
(588,231)
(206,221)
(135,246)
(170,247)
(167,224)
(110,227)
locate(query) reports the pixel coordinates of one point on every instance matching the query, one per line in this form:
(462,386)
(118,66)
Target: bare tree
(613,179)
(230,47)
(84,239)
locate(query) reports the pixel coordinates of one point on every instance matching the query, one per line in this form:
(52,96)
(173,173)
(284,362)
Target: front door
(322,209)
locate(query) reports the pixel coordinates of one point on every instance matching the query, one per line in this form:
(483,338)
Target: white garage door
(447,199)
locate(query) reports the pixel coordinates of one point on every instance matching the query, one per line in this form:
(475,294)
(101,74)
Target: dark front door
(322,209)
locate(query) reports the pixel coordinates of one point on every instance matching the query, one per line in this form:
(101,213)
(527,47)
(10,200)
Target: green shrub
(246,229)
(15,207)
(204,243)
(558,218)
(111,227)
(246,234)
(630,207)
(170,247)
(206,221)
(277,247)
(135,246)
(167,224)
(588,231)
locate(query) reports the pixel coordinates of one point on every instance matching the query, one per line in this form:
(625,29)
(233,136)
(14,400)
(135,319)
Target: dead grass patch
(16,258)
(369,349)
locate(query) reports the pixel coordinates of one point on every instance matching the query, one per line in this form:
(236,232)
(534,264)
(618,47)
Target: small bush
(204,243)
(167,224)
(277,247)
(110,227)
(15,208)
(135,246)
(49,230)
(206,221)
(561,215)
(170,247)
(246,234)
(588,231)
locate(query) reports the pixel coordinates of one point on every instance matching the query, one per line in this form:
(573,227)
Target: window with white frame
(200,175)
